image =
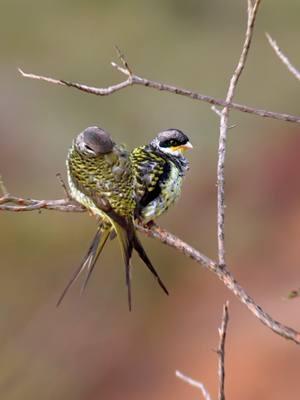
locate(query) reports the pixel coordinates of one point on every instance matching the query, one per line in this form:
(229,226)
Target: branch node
(123,60)
(217,111)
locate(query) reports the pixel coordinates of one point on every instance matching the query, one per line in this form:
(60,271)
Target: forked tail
(89,260)
(128,239)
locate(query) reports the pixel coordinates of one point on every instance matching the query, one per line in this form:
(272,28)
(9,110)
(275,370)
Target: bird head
(172,141)
(94,141)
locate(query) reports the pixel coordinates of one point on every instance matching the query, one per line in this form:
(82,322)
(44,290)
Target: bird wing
(150,171)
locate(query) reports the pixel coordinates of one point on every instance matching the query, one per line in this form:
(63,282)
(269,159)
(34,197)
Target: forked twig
(133,79)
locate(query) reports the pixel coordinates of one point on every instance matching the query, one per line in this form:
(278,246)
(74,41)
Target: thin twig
(17,204)
(63,185)
(137,80)
(84,88)
(3,189)
(252,12)
(193,382)
(216,110)
(283,57)
(221,352)
(124,62)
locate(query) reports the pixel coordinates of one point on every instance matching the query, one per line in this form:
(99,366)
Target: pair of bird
(120,187)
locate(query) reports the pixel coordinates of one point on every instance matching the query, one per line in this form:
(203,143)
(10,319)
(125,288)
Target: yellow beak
(183,147)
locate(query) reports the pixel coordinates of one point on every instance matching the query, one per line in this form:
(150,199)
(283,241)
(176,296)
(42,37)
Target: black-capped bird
(100,178)
(159,169)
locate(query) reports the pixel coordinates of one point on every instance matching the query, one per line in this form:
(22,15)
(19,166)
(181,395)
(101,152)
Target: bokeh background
(92,347)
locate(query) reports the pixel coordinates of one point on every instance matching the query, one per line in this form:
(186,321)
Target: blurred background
(92,347)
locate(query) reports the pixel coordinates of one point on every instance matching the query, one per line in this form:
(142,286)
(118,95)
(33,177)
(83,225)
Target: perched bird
(159,169)
(100,177)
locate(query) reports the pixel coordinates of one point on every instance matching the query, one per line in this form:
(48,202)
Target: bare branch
(252,12)
(17,204)
(221,352)
(283,57)
(196,384)
(137,80)
(84,88)
(226,277)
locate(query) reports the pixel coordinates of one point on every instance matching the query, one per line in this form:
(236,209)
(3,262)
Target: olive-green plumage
(102,183)
(100,177)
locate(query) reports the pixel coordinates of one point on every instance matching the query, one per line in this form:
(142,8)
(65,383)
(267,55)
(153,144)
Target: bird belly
(170,192)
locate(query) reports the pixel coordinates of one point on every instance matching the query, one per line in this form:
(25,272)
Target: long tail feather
(141,252)
(128,239)
(87,260)
(124,237)
(90,268)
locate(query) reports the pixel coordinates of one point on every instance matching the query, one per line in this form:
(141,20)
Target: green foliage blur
(92,347)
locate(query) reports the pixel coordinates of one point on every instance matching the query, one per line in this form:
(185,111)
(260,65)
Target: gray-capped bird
(159,169)
(100,177)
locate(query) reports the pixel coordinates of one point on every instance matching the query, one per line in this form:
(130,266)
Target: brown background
(91,347)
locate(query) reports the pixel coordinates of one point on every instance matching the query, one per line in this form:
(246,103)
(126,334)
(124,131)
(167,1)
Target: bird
(100,178)
(159,168)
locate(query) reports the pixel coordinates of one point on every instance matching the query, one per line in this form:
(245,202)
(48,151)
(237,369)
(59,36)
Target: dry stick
(193,382)
(226,277)
(17,204)
(137,80)
(283,57)
(221,361)
(221,351)
(89,89)
(252,12)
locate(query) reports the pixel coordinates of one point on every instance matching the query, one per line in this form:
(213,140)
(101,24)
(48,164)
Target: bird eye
(88,148)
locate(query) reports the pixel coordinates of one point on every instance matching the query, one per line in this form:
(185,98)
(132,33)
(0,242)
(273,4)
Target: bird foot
(151,224)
